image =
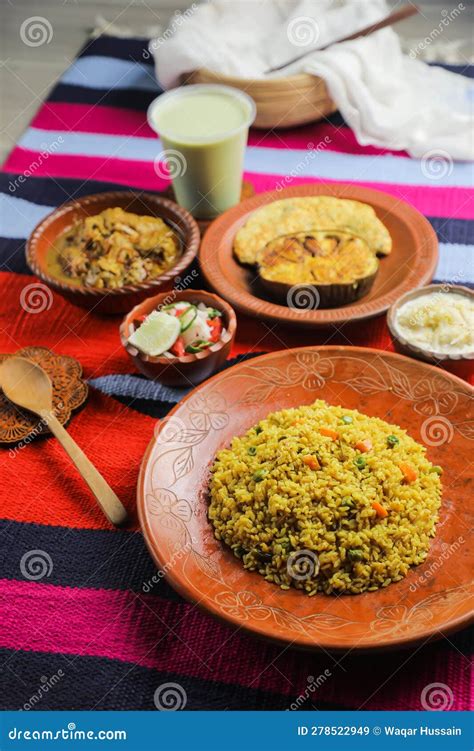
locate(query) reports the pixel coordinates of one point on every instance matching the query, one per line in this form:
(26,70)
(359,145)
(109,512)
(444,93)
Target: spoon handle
(405,11)
(111,505)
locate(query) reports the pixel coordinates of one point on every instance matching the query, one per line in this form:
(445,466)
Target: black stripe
(91,558)
(86,683)
(130,48)
(462,70)
(12,255)
(133,99)
(470,285)
(448,230)
(83,683)
(46,191)
(145,406)
(335,119)
(159,409)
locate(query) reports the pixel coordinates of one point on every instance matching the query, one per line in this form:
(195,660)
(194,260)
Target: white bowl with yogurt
(434,323)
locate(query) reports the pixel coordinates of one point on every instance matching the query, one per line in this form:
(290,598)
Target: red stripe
(454,203)
(255,335)
(169,636)
(87,118)
(42,486)
(69,330)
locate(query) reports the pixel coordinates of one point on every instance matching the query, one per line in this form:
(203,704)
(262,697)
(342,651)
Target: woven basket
(281,102)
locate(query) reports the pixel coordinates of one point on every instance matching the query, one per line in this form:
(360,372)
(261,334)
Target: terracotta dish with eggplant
(326,243)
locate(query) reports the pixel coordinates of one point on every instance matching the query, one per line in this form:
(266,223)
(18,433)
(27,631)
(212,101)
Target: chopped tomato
(380,510)
(365,445)
(409,474)
(329,433)
(176,312)
(178,347)
(311,462)
(215,326)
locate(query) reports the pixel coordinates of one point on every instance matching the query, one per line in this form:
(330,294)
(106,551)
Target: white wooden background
(27,73)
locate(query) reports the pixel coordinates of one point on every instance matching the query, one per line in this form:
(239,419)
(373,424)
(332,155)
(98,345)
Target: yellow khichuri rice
(325,499)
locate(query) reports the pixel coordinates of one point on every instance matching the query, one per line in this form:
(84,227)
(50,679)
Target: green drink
(203,130)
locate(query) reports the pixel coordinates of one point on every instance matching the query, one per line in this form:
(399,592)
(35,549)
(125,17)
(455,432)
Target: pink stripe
(131,628)
(90,118)
(455,203)
(135,174)
(87,118)
(45,618)
(322,136)
(141,629)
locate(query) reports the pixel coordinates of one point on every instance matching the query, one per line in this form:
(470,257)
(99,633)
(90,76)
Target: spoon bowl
(27,385)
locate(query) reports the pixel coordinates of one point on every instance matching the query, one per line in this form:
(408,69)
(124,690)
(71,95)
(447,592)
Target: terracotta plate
(434,407)
(411,263)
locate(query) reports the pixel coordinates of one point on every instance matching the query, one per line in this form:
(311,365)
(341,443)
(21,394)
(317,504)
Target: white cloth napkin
(388,98)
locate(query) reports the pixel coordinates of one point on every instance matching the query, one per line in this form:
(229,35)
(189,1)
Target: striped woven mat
(88,628)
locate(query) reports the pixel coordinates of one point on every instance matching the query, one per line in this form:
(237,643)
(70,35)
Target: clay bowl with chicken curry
(108,252)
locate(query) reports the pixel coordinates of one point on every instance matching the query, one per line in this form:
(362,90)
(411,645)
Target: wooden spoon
(27,385)
(400,14)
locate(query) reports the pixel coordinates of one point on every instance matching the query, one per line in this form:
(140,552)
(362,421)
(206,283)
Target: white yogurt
(441,322)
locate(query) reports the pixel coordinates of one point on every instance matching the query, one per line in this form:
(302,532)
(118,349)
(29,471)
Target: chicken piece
(92,228)
(137,271)
(74,261)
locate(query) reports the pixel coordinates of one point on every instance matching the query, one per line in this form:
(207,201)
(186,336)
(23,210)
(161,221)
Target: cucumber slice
(197,347)
(170,306)
(187,318)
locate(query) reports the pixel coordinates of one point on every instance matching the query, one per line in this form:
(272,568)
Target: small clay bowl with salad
(179,338)
(107,252)
(436,324)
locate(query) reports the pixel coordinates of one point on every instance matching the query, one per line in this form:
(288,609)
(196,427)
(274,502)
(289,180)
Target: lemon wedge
(157,334)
